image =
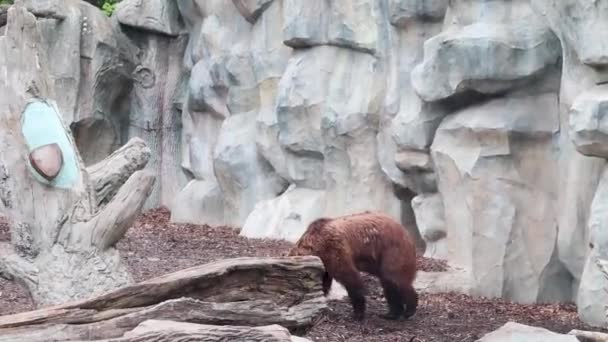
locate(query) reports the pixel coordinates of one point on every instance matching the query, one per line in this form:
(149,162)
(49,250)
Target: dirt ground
(154,247)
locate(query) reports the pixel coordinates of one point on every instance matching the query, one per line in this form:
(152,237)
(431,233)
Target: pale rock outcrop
(158,16)
(488,58)
(512,332)
(199,201)
(592,296)
(331,143)
(236,58)
(403,12)
(579,175)
(496,176)
(581,25)
(588,122)
(285,217)
(408,124)
(348,23)
(252,9)
(244,179)
(58,9)
(429,212)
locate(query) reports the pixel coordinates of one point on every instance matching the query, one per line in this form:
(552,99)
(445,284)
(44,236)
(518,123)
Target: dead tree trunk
(234,293)
(64,220)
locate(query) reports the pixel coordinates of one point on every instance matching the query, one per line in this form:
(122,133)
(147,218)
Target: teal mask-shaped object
(52,159)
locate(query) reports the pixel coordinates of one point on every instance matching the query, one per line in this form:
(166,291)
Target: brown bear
(370,242)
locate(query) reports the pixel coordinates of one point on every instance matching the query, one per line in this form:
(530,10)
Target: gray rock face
(487,157)
(579,174)
(430,218)
(592,296)
(352,24)
(403,12)
(158,16)
(252,9)
(492,58)
(199,201)
(243,179)
(582,24)
(285,217)
(588,121)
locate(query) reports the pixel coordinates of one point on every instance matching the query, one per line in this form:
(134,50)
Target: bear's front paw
(358,316)
(391,316)
(409,314)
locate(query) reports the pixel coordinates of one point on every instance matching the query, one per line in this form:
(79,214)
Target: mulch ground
(153,246)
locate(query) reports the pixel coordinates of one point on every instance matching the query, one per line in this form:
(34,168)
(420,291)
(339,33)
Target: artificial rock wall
(478,123)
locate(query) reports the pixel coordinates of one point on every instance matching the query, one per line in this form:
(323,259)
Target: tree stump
(229,296)
(64,219)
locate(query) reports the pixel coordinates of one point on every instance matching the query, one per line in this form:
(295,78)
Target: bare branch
(112,222)
(14,267)
(110,174)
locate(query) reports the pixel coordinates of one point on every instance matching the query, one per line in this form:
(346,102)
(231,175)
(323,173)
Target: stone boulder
(353,24)
(251,10)
(243,178)
(587,124)
(582,25)
(497,179)
(285,217)
(515,332)
(206,94)
(158,16)
(429,213)
(484,57)
(403,12)
(199,201)
(592,296)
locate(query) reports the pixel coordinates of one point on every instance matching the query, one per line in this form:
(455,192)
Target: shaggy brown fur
(373,243)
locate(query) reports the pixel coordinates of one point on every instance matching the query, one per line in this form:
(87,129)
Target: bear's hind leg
(394,300)
(410,297)
(327,280)
(349,277)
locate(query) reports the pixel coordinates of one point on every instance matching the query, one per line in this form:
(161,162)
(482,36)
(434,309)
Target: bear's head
(301,251)
(307,243)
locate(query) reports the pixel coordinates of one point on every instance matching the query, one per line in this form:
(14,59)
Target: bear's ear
(318,224)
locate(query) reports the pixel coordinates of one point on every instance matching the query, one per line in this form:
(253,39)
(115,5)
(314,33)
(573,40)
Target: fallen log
(161,331)
(589,336)
(244,292)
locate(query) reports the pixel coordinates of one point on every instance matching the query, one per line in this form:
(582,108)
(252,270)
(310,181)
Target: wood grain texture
(239,292)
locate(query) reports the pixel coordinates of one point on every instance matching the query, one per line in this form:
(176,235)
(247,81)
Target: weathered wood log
(108,175)
(63,227)
(160,331)
(240,292)
(589,336)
